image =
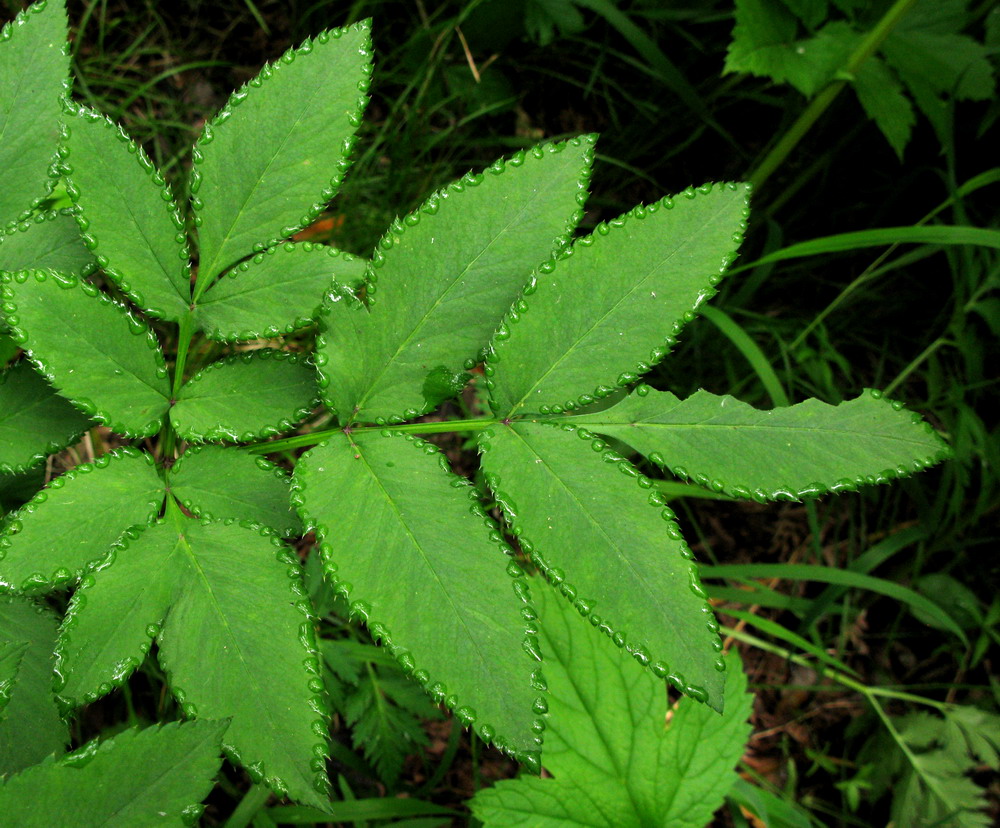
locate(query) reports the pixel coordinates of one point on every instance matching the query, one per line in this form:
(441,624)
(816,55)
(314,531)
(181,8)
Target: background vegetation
(854,691)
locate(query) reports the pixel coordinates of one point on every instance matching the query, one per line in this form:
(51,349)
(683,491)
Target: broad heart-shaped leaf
(30,725)
(70,525)
(127,214)
(418,565)
(604,315)
(139,778)
(34,421)
(615,763)
(236,641)
(246,397)
(444,275)
(218,483)
(599,531)
(266,165)
(804,450)
(107,362)
(50,240)
(276,292)
(34,71)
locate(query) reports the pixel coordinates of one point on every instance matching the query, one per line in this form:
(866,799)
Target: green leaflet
(116,612)
(87,509)
(291,130)
(444,274)
(804,450)
(140,778)
(766,43)
(34,67)
(11,653)
(599,318)
(233,647)
(127,214)
(276,292)
(30,725)
(418,565)
(615,763)
(881,95)
(34,420)
(601,533)
(246,397)
(50,240)
(89,348)
(243,648)
(217,483)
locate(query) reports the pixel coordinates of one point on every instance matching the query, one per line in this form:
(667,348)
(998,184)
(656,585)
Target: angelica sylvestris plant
(185,546)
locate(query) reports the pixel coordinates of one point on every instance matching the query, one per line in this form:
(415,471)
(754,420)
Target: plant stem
(818,105)
(184,337)
(446,427)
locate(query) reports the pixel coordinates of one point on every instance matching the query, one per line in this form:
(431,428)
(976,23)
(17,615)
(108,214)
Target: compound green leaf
(34,72)
(276,292)
(127,214)
(50,240)
(614,762)
(266,165)
(951,64)
(445,274)
(30,727)
(93,350)
(218,483)
(804,450)
(71,525)
(249,396)
(601,317)
(34,421)
(139,778)
(417,564)
(881,95)
(116,612)
(238,643)
(601,532)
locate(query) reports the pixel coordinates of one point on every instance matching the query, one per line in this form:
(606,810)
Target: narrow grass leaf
(34,420)
(246,397)
(751,351)
(34,72)
(266,165)
(116,613)
(93,350)
(602,535)
(51,240)
(801,451)
(217,483)
(599,318)
(30,726)
(127,214)
(883,237)
(243,648)
(87,509)
(436,592)
(357,809)
(276,292)
(613,760)
(140,778)
(443,275)
(844,577)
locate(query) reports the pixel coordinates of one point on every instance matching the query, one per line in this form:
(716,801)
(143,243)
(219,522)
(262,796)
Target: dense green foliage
(174,320)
